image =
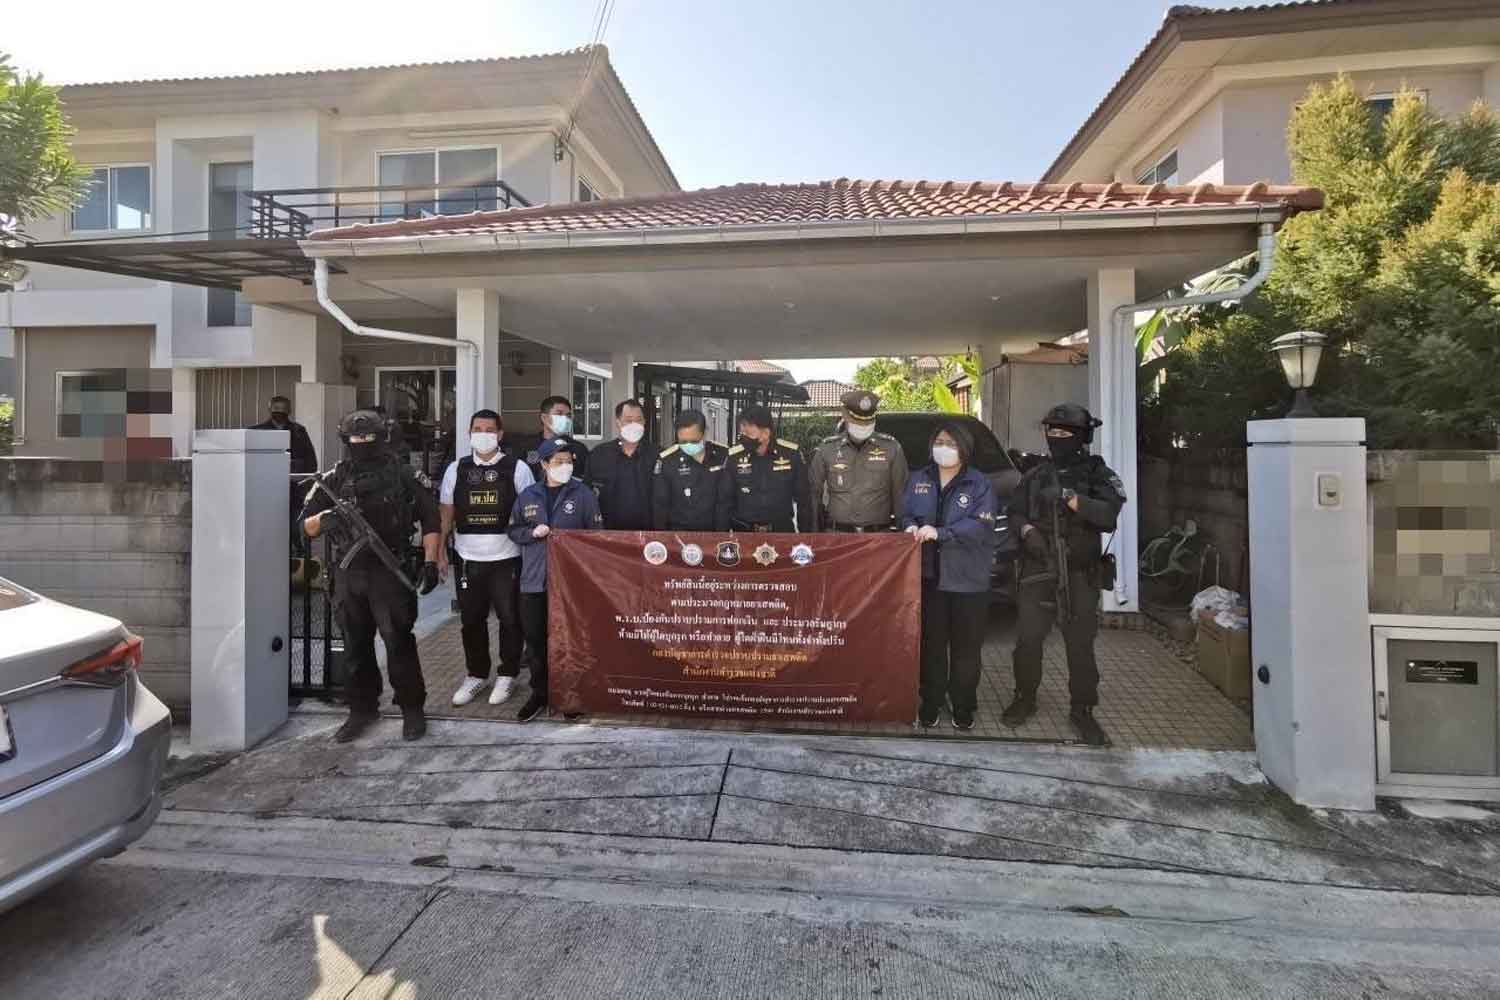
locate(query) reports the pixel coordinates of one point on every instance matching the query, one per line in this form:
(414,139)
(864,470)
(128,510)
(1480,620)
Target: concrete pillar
(240,653)
(1309,606)
(1112,400)
(477,378)
(621,384)
(184,409)
(319,407)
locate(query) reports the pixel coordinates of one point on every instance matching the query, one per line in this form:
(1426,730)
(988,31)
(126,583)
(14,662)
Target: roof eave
(968,225)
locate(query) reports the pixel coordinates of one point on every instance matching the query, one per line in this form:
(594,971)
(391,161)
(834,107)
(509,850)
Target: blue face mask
(561,424)
(692,449)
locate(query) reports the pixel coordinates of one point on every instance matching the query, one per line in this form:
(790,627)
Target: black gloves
(427,581)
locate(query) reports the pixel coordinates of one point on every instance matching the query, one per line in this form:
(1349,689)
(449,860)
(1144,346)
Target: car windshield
(12,596)
(914,431)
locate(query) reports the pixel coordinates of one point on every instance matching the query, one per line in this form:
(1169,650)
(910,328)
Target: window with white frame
(588,405)
(439,181)
(119,199)
(1382,104)
(586,191)
(1165,171)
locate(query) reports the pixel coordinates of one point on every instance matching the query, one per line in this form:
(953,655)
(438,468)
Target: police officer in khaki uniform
(858,474)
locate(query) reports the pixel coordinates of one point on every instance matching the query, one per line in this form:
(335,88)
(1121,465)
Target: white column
(478,373)
(621,381)
(1309,608)
(1112,400)
(319,407)
(240,652)
(184,409)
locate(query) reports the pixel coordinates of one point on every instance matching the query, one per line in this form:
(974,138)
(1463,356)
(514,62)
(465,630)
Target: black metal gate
(317,641)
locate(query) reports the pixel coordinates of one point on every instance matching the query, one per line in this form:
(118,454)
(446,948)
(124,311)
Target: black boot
(535,705)
(1022,708)
(357,723)
(1082,717)
(413,723)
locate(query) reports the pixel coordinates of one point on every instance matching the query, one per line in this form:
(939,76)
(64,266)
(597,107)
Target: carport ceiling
(858,299)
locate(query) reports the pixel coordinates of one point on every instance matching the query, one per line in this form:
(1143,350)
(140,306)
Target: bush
(7,423)
(807,429)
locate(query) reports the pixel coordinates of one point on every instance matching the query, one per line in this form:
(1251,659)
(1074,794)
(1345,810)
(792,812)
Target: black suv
(915,430)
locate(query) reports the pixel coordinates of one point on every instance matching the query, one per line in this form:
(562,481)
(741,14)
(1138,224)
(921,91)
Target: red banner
(762,627)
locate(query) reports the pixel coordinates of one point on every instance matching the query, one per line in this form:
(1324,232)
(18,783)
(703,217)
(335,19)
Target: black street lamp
(1299,354)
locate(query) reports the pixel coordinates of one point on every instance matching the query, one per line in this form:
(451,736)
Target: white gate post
(241,660)
(1310,610)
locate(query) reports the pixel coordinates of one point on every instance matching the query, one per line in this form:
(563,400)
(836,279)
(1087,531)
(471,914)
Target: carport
(842,268)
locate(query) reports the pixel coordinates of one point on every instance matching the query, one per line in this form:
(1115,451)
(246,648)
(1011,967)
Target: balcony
(292,213)
(265,245)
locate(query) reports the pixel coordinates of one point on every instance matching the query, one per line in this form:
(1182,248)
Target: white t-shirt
(484,548)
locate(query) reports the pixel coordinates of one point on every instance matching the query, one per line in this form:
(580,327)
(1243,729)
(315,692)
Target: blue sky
(770,90)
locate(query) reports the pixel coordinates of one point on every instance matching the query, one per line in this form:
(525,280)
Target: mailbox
(1437,712)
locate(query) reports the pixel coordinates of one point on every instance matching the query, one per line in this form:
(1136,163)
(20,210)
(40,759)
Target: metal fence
(317,641)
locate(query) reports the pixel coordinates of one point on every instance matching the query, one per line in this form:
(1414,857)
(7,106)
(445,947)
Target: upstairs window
(586,191)
(1165,171)
(440,182)
(1381,105)
(119,199)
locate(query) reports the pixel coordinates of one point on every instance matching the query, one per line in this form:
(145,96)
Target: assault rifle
(1060,554)
(351,532)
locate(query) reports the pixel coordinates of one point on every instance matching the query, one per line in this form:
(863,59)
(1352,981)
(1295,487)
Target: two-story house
(201,187)
(1209,97)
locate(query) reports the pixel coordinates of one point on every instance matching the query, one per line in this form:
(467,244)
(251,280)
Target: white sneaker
(468,689)
(503,687)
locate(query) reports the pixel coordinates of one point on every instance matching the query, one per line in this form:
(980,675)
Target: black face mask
(749,443)
(364,451)
(1065,451)
(279,419)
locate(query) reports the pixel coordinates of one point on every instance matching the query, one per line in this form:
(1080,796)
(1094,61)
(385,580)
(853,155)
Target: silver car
(82,742)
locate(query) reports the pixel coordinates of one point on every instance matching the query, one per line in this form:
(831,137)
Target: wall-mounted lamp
(1299,354)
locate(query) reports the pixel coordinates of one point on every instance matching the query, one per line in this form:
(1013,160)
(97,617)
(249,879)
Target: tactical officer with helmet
(375,487)
(1060,509)
(765,477)
(858,474)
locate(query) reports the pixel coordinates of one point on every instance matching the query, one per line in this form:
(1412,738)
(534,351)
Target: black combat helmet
(362,423)
(1074,417)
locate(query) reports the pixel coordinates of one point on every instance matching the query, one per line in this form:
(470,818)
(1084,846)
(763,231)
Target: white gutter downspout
(1124,321)
(461,411)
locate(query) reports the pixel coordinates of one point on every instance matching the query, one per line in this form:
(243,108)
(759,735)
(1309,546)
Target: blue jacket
(573,507)
(964,515)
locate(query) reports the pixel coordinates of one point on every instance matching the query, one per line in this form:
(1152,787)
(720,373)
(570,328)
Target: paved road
(570,861)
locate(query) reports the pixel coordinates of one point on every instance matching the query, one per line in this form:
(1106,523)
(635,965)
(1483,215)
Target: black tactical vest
(483,496)
(377,490)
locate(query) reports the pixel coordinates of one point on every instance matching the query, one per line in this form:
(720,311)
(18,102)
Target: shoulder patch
(736,449)
(669,451)
(787,444)
(1117,484)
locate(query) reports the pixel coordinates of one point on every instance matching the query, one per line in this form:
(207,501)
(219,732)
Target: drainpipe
(320,283)
(1124,319)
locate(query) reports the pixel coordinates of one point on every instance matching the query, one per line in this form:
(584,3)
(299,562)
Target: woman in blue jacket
(950,507)
(557,503)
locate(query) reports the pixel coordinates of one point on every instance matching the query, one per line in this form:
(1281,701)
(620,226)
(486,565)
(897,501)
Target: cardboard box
(1224,657)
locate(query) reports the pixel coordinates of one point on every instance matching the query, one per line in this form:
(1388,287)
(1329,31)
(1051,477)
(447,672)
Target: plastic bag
(1224,606)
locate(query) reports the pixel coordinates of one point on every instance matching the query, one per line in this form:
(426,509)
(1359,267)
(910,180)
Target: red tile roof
(761,368)
(842,200)
(824,393)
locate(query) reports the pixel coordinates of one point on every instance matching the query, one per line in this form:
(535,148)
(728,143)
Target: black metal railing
(295,212)
(317,639)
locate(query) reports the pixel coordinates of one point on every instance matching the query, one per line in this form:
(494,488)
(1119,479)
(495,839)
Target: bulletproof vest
(375,487)
(483,496)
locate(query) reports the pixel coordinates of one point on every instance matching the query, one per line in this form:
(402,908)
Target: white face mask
(560,474)
(632,432)
(560,423)
(945,457)
(484,442)
(860,432)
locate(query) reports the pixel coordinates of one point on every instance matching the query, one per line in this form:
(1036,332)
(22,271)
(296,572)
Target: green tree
(1401,269)
(38,175)
(900,387)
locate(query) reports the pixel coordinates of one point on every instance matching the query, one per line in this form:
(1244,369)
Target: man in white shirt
(475,500)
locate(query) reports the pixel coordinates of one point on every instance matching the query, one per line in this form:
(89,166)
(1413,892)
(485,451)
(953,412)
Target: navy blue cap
(551,447)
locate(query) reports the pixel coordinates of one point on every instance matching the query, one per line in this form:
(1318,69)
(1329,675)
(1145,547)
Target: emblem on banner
(766,554)
(728,554)
(802,554)
(491,475)
(692,554)
(655,553)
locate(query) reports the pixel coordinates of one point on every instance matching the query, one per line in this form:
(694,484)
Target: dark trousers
(952,633)
(371,599)
(534,621)
(484,587)
(1036,608)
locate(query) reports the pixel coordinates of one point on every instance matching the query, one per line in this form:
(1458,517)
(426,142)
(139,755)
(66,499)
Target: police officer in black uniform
(765,477)
(1060,509)
(686,493)
(369,597)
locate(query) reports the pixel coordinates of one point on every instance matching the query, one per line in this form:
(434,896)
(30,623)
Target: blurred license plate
(7,746)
